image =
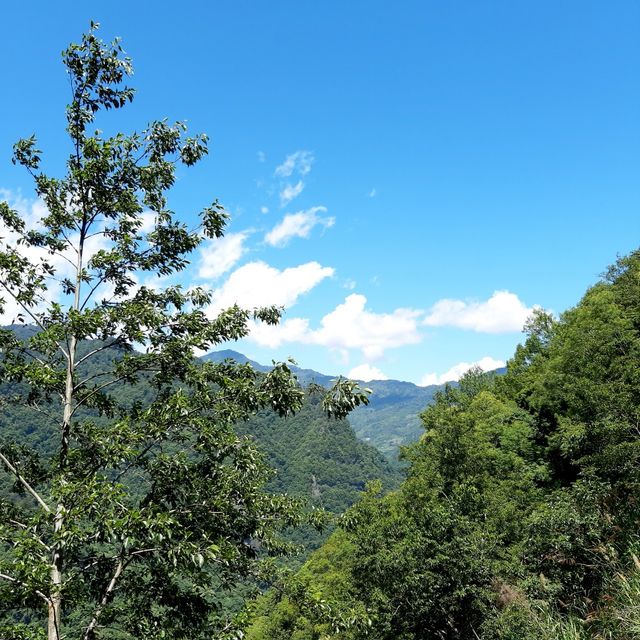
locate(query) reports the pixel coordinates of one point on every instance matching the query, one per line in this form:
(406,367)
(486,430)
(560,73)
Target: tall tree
(147,510)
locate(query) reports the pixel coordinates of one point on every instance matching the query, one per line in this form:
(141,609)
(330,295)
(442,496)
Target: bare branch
(139,552)
(28,352)
(61,255)
(32,315)
(4,576)
(80,384)
(95,391)
(24,483)
(93,289)
(36,407)
(97,350)
(69,244)
(120,566)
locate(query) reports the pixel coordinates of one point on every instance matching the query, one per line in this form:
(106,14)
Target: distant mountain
(314,457)
(319,459)
(390,420)
(230,354)
(305,376)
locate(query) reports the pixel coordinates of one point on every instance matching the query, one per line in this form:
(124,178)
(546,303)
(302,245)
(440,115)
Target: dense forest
(518,518)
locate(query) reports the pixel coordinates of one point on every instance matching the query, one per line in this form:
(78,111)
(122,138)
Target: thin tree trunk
(55,600)
(57,555)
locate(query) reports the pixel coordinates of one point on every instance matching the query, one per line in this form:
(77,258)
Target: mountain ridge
(389,421)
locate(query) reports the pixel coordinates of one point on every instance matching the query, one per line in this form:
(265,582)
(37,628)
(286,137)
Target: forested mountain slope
(319,459)
(390,420)
(519,516)
(314,457)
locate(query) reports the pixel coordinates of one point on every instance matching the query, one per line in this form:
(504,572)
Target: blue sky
(409,178)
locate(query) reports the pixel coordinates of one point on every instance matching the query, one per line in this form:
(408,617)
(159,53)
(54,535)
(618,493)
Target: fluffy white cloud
(297,225)
(218,255)
(290,191)
(264,209)
(503,312)
(366,372)
(458,370)
(290,330)
(349,326)
(31,211)
(299,162)
(257,284)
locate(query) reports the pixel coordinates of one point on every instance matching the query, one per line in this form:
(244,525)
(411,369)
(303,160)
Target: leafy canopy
(146,511)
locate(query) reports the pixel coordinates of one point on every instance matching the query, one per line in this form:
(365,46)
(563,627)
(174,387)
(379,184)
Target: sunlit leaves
(158,505)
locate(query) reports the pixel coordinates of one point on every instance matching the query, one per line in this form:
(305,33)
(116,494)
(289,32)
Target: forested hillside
(316,458)
(518,519)
(389,421)
(392,417)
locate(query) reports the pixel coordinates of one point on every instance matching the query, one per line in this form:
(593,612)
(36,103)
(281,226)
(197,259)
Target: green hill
(314,457)
(389,421)
(518,519)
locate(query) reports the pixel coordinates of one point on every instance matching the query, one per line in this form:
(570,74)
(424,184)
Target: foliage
(141,509)
(318,459)
(299,608)
(519,515)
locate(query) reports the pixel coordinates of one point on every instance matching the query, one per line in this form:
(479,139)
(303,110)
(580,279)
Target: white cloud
(458,370)
(290,330)
(31,211)
(261,156)
(290,191)
(299,162)
(297,225)
(264,209)
(349,284)
(257,284)
(218,255)
(349,326)
(366,372)
(503,312)
(148,221)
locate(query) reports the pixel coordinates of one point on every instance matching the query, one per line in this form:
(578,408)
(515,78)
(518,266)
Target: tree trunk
(57,556)
(53,628)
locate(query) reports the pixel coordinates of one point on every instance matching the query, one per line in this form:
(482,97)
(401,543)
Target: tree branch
(37,538)
(24,483)
(61,255)
(95,391)
(4,576)
(36,407)
(120,566)
(98,350)
(101,280)
(30,313)
(82,383)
